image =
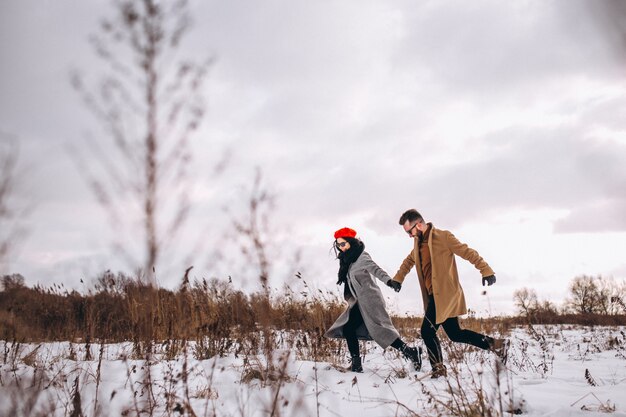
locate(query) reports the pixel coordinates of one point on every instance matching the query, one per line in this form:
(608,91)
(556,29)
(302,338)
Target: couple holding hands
(433,256)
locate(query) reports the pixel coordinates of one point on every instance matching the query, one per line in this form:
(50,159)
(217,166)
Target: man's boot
(439,369)
(414,355)
(501,348)
(356,363)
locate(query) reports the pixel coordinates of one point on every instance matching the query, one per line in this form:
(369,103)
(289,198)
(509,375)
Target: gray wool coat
(377,323)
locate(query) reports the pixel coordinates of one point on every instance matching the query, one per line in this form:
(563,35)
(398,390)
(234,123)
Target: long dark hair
(348,257)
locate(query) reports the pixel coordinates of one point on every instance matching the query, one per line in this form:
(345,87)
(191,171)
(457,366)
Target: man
(433,257)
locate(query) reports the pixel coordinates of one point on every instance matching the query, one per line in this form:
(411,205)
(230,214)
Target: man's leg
(429,334)
(499,346)
(456,334)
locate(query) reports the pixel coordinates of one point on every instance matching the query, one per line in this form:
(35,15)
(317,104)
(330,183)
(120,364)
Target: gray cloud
(342,106)
(556,169)
(487,48)
(594,217)
(609,18)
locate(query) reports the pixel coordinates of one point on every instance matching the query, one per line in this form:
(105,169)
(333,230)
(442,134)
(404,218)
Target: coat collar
(426,235)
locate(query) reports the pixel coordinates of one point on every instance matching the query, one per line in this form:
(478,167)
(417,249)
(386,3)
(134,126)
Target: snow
(544,376)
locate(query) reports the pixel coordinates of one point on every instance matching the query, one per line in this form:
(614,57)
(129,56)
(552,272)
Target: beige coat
(447,291)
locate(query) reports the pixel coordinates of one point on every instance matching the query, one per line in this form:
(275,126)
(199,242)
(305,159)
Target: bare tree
(526,301)
(612,296)
(10,230)
(529,306)
(254,229)
(597,295)
(11,282)
(585,296)
(149,104)
(256,240)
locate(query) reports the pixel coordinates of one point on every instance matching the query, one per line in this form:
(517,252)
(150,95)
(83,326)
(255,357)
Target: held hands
(394,284)
(490,280)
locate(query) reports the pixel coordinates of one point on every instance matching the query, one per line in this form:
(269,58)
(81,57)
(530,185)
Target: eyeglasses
(410,231)
(341,244)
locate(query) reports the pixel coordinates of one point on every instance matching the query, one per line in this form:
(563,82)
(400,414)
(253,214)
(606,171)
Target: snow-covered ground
(552,371)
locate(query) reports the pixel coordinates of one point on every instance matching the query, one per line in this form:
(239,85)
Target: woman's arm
(372,267)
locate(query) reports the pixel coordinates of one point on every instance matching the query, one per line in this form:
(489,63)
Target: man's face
(411,228)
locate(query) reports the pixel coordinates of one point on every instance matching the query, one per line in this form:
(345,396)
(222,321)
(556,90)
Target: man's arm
(469,254)
(405,268)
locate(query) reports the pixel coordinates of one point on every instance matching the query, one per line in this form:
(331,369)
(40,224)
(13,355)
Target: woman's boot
(414,355)
(356,363)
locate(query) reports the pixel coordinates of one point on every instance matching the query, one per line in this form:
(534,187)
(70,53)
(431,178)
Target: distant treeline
(591,300)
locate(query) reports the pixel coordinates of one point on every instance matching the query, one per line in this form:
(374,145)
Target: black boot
(356,363)
(414,355)
(501,348)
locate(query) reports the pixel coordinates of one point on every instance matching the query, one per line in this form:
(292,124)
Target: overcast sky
(503,122)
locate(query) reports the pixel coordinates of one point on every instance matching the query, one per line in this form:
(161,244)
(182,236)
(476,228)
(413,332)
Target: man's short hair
(410,215)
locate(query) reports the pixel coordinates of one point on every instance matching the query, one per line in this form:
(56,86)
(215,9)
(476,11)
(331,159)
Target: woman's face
(342,244)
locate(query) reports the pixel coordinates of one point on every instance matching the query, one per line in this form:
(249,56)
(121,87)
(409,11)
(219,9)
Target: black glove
(490,280)
(395,285)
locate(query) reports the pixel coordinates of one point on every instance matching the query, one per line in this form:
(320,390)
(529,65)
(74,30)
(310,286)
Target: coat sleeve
(376,271)
(405,268)
(469,254)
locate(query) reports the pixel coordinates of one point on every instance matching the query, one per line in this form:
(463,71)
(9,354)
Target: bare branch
(148,114)
(10,216)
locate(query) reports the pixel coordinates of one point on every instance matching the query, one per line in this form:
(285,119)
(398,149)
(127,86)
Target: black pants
(453,330)
(349,330)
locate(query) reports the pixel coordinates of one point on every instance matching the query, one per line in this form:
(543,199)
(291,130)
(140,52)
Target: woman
(366,317)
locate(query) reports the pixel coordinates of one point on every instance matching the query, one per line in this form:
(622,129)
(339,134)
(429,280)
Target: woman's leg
(398,344)
(411,353)
(456,334)
(349,330)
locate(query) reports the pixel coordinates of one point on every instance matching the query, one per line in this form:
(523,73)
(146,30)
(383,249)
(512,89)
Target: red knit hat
(345,232)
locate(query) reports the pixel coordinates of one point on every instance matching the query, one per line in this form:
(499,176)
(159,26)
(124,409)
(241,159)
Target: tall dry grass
(212,313)
(217,317)
(202,319)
